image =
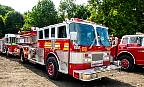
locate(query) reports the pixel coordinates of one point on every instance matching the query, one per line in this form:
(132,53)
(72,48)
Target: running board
(33,61)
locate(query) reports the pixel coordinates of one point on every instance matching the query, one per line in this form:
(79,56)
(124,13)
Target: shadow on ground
(68,81)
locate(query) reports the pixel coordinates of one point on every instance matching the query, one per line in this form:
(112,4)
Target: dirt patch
(15,74)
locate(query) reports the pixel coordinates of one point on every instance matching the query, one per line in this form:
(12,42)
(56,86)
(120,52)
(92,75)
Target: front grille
(97,57)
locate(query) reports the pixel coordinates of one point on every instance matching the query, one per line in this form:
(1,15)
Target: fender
(55,57)
(127,53)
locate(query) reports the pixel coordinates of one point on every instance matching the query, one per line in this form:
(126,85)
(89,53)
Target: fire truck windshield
(103,36)
(85,33)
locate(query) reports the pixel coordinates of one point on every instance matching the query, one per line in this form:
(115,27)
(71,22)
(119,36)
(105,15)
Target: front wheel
(127,63)
(52,68)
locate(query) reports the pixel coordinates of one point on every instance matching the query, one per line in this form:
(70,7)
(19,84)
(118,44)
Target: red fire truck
(8,44)
(25,40)
(75,47)
(130,51)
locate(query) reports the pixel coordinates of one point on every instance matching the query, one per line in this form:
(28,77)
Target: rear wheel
(127,63)
(52,68)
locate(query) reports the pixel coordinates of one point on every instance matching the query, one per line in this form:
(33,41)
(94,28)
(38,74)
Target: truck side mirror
(73,35)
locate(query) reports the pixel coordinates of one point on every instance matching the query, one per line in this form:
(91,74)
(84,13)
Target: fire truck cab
(8,44)
(130,51)
(75,47)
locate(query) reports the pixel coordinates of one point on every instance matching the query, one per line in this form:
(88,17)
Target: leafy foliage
(82,12)
(44,14)
(68,9)
(2,26)
(27,21)
(10,20)
(4,10)
(13,22)
(122,17)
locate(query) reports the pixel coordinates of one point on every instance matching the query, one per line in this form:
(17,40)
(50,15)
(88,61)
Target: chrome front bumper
(97,72)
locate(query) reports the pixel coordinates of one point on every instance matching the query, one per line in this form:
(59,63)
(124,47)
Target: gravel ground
(15,74)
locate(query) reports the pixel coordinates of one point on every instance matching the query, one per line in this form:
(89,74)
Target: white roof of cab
(10,35)
(70,21)
(133,35)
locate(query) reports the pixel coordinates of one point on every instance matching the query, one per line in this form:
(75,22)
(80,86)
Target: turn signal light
(84,49)
(76,75)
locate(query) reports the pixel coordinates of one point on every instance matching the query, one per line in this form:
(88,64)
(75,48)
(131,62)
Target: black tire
(23,60)
(55,75)
(127,62)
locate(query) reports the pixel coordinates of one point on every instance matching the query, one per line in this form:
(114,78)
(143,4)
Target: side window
(46,32)
(142,41)
(6,40)
(26,40)
(41,34)
(16,40)
(62,32)
(52,32)
(21,40)
(34,38)
(133,39)
(9,39)
(12,39)
(125,40)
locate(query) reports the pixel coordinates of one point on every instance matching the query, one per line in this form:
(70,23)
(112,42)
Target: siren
(76,19)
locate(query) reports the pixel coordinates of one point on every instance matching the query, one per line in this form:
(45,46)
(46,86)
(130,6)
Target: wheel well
(51,55)
(128,54)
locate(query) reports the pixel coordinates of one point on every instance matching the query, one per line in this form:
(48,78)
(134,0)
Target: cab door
(56,41)
(135,46)
(139,51)
(123,45)
(62,46)
(39,47)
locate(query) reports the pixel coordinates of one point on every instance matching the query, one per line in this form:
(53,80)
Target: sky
(25,5)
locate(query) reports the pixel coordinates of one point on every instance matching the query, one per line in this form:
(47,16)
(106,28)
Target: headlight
(87,60)
(106,56)
(86,76)
(111,59)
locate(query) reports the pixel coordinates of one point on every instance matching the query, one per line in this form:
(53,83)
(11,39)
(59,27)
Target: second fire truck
(8,44)
(130,51)
(75,47)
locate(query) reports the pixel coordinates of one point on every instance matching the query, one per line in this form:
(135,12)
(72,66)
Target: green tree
(122,17)
(13,21)
(2,26)
(4,10)
(27,21)
(67,8)
(82,12)
(43,14)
